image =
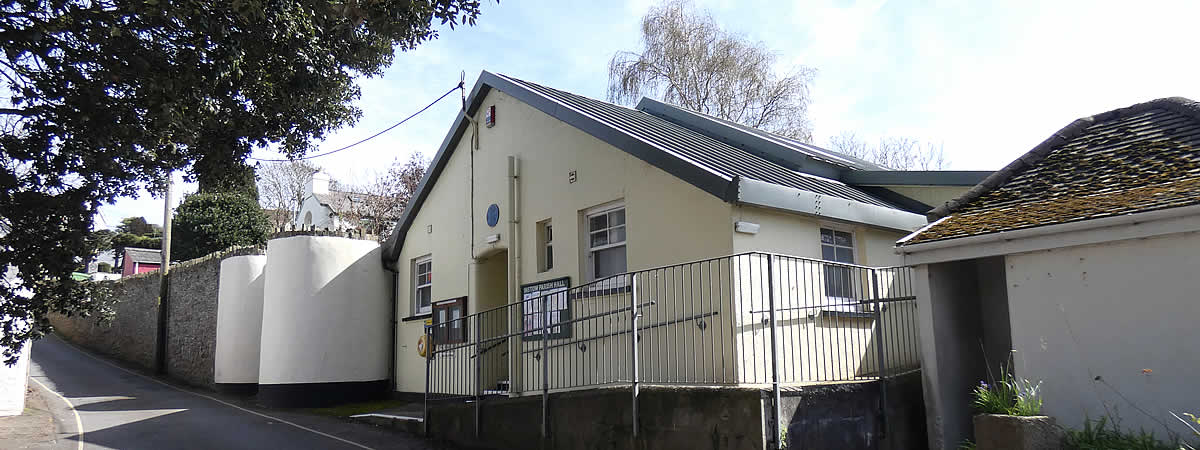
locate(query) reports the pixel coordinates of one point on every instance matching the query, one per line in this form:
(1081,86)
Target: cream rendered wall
(1088,320)
(13,381)
(321,218)
(668,220)
(930,195)
(813,346)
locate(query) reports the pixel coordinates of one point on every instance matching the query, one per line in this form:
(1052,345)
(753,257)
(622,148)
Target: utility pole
(164,285)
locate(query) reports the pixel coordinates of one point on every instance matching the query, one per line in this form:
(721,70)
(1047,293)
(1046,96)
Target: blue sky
(988,80)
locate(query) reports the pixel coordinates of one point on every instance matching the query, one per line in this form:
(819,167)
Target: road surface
(112,407)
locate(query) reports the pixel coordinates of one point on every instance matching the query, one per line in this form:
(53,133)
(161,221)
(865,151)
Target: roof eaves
(760,193)
(1179,105)
(914,177)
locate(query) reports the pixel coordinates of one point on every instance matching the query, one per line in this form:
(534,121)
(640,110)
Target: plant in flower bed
(1104,434)
(1010,395)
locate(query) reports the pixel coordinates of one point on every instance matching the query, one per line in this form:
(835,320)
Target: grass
(1103,435)
(350,409)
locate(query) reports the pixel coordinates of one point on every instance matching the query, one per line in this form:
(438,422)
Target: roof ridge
(1179,105)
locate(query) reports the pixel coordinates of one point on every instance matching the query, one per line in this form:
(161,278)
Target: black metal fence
(753,319)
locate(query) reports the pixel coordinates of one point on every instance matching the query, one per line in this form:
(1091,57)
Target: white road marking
(239,408)
(389,416)
(78,422)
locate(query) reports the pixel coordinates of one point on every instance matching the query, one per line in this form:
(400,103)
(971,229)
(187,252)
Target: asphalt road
(114,407)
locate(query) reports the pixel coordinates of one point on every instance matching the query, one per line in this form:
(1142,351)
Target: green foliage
(102,99)
(1008,395)
(1103,435)
(1193,423)
(207,223)
(138,226)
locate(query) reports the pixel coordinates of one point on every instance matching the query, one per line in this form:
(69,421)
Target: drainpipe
(393,299)
(514,276)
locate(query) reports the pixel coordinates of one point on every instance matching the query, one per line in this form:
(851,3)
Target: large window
(422,285)
(606,242)
(838,246)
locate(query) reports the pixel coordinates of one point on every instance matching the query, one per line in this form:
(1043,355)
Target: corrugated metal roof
(698,149)
(1137,159)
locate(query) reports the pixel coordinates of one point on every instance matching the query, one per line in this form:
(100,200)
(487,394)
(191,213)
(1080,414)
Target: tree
(211,222)
(138,226)
(688,60)
(897,153)
(104,98)
(281,187)
(376,205)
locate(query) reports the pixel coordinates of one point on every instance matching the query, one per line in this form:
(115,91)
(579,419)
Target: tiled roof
(1142,158)
(144,255)
(343,201)
(699,149)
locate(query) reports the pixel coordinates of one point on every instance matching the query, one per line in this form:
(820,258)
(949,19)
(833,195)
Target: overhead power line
(373,136)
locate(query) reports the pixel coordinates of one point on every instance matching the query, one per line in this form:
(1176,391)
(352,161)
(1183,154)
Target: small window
(449,325)
(545,237)
(606,242)
(838,246)
(422,284)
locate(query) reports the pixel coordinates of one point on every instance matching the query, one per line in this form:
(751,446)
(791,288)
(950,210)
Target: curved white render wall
(239,320)
(326,316)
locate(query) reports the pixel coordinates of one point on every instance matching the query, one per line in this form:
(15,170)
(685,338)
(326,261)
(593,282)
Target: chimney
(318,184)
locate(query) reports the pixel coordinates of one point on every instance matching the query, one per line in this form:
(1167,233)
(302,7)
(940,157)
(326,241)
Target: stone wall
(846,415)
(129,335)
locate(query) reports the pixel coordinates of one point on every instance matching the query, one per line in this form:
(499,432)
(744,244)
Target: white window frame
(545,234)
(417,286)
(853,252)
(589,250)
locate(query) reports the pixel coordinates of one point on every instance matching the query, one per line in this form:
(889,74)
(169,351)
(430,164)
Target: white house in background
(1082,256)
(324,208)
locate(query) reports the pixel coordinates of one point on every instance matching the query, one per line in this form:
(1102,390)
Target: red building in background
(140,260)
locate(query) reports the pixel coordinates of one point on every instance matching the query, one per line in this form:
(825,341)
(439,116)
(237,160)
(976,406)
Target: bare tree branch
(688,60)
(898,153)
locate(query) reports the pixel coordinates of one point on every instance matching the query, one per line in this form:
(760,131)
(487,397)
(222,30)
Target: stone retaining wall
(129,335)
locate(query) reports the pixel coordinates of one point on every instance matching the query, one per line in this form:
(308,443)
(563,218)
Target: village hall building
(534,188)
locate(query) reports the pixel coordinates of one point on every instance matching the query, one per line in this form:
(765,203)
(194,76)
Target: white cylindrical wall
(13,381)
(326,316)
(239,320)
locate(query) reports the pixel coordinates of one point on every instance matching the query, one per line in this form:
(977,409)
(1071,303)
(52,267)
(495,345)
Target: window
(422,284)
(838,246)
(606,242)
(545,236)
(449,327)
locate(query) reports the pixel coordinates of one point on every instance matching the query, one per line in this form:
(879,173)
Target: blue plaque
(493,215)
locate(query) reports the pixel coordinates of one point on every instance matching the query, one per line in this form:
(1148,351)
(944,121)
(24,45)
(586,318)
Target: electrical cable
(373,136)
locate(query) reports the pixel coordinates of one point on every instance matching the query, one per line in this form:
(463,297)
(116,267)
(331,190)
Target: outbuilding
(1075,261)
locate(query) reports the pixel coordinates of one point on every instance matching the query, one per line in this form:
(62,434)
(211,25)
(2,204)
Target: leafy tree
(138,226)
(898,153)
(210,222)
(103,98)
(688,60)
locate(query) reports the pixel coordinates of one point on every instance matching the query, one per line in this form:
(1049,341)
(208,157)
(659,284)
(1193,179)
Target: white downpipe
(514,275)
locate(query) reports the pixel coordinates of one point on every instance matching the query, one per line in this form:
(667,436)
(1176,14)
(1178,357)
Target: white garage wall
(12,385)
(325,312)
(1089,320)
(239,319)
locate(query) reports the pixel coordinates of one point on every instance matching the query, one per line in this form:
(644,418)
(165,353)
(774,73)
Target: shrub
(211,222)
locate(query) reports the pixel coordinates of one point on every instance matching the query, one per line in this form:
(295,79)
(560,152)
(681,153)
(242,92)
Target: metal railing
(752,319)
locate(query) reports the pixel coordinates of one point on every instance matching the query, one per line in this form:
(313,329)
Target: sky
(987,80)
